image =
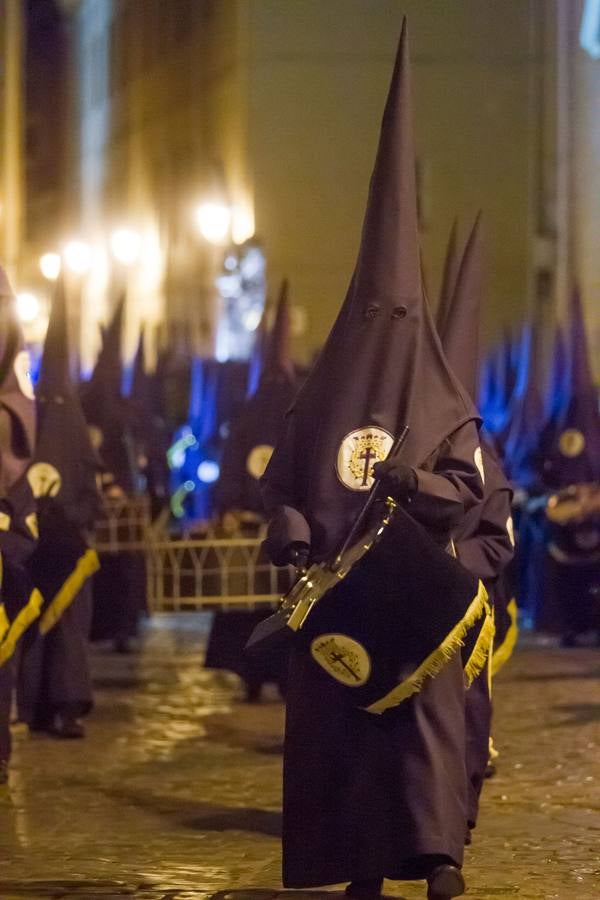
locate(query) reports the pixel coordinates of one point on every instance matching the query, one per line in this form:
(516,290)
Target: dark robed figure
(245,456)
(572,470)
(19,604)
(368,796)
(484,540)
(54,687)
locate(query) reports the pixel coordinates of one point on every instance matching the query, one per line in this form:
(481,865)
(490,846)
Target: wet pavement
(176,791)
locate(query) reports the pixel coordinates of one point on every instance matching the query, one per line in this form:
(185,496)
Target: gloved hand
(297,553)
(396,478)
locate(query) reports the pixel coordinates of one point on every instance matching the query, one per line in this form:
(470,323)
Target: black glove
(297,554)
(398,479)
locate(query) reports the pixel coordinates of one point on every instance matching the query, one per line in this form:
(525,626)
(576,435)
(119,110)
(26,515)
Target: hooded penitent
(449,276)
(382,366)
(253,436)
(105,408)
(62,476)
(149,428)
(574,457)
(558,392)
(484,541)
(257,359)
(522,451)
(18,524)
(367,795)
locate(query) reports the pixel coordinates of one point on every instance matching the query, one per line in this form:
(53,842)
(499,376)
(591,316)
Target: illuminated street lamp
(78,257)
(28,307)
(50,266)
(125,245)
(213,221)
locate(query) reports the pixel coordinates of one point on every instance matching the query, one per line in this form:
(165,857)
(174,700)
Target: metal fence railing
(205,571)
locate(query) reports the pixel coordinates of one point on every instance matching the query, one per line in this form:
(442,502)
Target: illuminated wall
(319,75)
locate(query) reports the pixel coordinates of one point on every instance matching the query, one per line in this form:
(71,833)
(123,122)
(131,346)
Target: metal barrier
(124,524)
(199,572)
(216,573)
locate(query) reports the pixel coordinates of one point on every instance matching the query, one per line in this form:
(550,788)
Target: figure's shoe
(370,889)
(3,771)
(66,727)
(445,882)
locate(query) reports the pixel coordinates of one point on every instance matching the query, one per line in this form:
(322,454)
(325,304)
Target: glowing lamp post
(50,266)
(126,245)
(28,307)
(213,221)
(78,257)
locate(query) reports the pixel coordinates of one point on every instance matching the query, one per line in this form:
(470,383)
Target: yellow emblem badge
(44,480)
(258,460)
(571,443)
(343,658)
(358,453)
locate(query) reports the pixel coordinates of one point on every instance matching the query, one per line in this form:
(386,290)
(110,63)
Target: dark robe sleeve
(287,525)
(489,550)
(453,485)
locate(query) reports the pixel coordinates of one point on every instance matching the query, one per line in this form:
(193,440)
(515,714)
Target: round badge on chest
(358,453)
(258,460)
(571,443)
(44,480)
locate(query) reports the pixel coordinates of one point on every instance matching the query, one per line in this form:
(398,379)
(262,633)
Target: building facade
(272,109)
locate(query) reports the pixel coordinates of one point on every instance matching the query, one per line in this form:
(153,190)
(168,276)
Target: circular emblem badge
(571,443)
(44,479)
(22,367)
(478,459)
(510,528)
(343,658)
(258,460)
(358,453)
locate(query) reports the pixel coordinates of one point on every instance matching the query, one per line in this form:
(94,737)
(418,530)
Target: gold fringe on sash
(85,567)
(482,650)
(505,650)
(436,660)
(21,622)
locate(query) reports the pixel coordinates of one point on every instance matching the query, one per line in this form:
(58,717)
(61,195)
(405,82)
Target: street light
(125,245)
(28,307)
(50,266)
(78,257)
(213,221)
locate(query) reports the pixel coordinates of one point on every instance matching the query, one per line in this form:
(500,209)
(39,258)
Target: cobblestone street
(176,791)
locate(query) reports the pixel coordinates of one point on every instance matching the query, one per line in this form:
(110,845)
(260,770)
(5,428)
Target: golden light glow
(78,257)
(242,224)
(213,221)
(50,265)
(28,307)
(125,245)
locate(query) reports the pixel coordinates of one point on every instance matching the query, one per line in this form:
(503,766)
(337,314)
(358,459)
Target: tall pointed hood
(449,276)
(105,384)
(55,376)
(16,391)
(558,390)
(460,326)
(460,340)
(105,407)
(64,457)
(382,366)
(278,363)
(257,359)
(522,451)
(260,422)
(575,455)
